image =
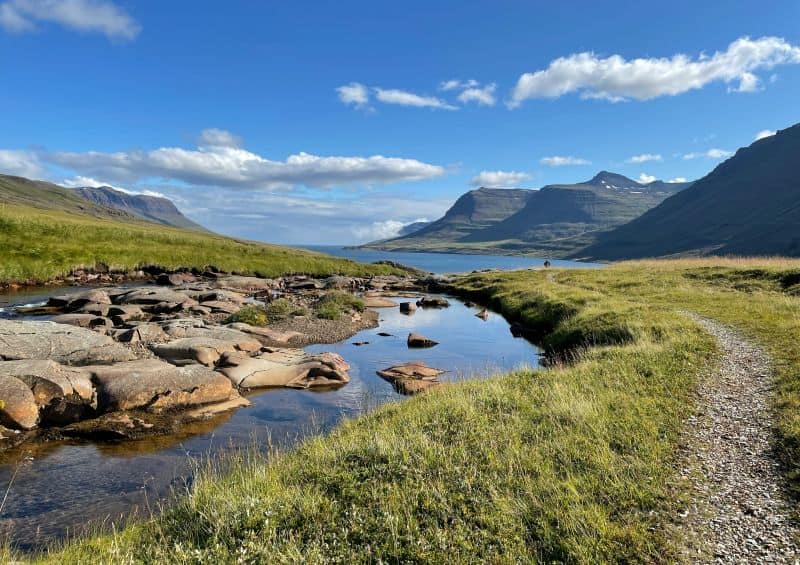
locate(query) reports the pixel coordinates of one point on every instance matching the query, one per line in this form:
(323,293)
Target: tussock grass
(41,245)
(332,305)
(573,464)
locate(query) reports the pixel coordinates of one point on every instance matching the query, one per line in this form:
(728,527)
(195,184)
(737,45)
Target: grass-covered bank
(572,464)
(41,245)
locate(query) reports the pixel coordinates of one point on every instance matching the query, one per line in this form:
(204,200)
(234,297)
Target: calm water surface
(58,488)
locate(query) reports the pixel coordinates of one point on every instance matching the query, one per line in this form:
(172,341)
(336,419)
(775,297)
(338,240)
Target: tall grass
(41,245)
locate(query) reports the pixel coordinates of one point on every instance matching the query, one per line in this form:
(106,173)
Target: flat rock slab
(285,368)
(62,343)
(246,284)
(267,336)
(61,380)
(151,296)
(209,410)
(155,385)
(378,302)
(20,410)
(82,320)
(203,350)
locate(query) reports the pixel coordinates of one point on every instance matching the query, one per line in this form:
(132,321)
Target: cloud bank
(506,179)
(88,16)
(563,161)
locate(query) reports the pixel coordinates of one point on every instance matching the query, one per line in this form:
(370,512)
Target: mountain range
(556,220)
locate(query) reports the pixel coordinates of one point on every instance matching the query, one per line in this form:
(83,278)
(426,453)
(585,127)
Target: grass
(253,315)
(42,245)
(574,464)
(332,305)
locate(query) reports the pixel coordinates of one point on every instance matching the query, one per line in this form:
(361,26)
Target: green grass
(332,305)
(283,308)
(253,315)
(41,245)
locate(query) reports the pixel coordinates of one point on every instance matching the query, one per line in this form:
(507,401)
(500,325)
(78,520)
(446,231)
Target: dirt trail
(739,513)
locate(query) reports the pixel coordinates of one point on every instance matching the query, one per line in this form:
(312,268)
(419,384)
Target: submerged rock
(418,340)
(64,344)
(285,367)
(433,302)
(408,307)
(483,314)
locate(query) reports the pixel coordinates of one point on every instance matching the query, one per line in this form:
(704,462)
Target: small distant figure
(547,263)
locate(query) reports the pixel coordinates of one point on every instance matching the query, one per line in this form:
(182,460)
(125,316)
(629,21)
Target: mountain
(49,196)
(413,227)
(474,211)
(152,208)
(556,220)
(748,205)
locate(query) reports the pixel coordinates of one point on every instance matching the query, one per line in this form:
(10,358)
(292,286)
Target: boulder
(92,296)
(120,314)
(433,302)
(483,314)
(408,307)
(94,309)
(339,282)
(19,409)
(218,306)
(418,340)
(246,284)
(48,379)
(217,295)
(154,385)
(144,333)
(82,320)
(151,296)
(378,302)
(64,344)
(412,377)
(203,350)
(285,367)
(267,336)
(175,279)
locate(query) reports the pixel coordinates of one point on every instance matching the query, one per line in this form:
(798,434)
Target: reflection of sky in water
(64,485)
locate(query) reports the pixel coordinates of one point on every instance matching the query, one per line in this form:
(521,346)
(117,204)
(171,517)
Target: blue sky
(237,112)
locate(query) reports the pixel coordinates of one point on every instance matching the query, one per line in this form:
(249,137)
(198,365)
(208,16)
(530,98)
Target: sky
(339,122)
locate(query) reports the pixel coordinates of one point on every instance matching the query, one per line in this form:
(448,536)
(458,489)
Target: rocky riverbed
(117,362)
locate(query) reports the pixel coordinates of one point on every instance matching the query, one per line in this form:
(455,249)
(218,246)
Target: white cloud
(213,137)
(97,16)
(677,179)
(615,78)
(354,93)
(499,178)
(765,133)
(458,84)
(404,98)
(645,157)
(224,165)
(20,163)
(710,154)
(84,182)
(563,161)
(482,95)
(382,230)
(644,178)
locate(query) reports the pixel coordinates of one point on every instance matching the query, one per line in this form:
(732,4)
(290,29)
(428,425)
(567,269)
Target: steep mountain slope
(40,194)
(413,228)
(560,218)
(473,211)
(748,205)
(152,208)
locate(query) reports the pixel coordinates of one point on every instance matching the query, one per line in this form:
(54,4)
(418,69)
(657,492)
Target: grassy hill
(46,231)
(580,463)
(554,221)
(748,205)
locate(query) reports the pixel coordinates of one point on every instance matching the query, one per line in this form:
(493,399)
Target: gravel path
(739,513)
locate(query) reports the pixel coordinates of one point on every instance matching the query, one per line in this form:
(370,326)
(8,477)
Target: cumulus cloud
(20,163)
(354,93)
(563,161)
(615,78)
(710,154)
(213,137)
(455,84)
(644,178)
(678,179)
(645,157)
(89,16)
(405,98)
(385,229)
(765,133)
(482,95)
(499,178)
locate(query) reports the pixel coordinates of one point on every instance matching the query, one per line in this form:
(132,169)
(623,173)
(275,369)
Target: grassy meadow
(38,245)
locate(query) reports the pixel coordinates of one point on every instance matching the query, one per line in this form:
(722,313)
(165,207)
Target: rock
(124,313)
(209,410)
(61,380)
(218,295)
(19,410)
(154,385)
(117,426)
(378,302)
(203,350)
(483,314)
(92,296)
(407,307)
(412,377)
(418,340)
(338,282)
(144,333)
(64,344)
(433,302)
(82,320)
(151,296)
(285,367)
(246,284)
(94,309)
(175,279)
(267,336)
(384,334)
(308,284)
(360,343)
(217,306)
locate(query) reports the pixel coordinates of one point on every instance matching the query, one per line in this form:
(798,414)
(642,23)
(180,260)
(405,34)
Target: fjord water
(57,489)
(444,262)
